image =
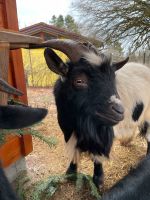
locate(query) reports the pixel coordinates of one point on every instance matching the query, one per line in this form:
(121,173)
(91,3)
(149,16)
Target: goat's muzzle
(113,115)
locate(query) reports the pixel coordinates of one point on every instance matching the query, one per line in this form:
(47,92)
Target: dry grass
(44,161)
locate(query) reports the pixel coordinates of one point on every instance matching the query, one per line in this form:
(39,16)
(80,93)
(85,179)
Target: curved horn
(5,87)
(74,50)
(91,47)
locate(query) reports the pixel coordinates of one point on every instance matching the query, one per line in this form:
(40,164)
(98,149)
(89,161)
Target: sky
(34,11)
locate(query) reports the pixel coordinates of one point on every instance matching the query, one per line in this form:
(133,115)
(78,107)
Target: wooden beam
(4,62)
(26,144)
(14,37)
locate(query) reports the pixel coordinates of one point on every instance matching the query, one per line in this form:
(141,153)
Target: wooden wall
(15,147)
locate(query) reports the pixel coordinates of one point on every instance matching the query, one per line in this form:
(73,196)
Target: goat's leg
(147,126)
(98,176)
(145,131)
(148,147)
(72,169)
(148,138)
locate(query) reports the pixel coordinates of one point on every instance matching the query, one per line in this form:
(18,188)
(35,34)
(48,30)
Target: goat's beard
(92,137)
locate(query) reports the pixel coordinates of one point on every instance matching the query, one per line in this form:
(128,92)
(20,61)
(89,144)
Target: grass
(45,189)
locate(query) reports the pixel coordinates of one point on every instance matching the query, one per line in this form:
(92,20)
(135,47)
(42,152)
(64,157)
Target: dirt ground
(45,161)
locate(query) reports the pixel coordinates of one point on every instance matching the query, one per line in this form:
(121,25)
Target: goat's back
(134,186)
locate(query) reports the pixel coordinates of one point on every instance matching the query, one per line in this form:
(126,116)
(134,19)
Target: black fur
(134,186)
(6,191)
(143,128)
(137,111)
(77,108)
(12,117)
(72,169)
(98,176)
(143,132)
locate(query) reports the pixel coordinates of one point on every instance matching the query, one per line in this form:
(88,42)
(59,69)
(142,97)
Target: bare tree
(127,21)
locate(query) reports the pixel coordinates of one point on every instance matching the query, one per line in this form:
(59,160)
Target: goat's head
(17,116)
(88,80)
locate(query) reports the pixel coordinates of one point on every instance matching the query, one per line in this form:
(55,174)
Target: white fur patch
(71,147)
(98,158)
(114,99)
(62,78)
(76,157)
(92,58)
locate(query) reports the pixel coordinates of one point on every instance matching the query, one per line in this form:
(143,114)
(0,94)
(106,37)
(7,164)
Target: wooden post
(4,62)
(13,149)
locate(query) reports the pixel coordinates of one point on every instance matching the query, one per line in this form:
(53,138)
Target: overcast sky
(34,11)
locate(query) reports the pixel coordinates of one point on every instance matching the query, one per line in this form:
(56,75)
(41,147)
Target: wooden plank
(26,145)
(11,151)
(4,62)
(18,74)
(18,38)
(11,14)
(1,16)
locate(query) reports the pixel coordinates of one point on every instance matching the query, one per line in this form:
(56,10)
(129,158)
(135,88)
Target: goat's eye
(81,82)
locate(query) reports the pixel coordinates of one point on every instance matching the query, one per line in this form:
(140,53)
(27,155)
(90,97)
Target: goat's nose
(117,108)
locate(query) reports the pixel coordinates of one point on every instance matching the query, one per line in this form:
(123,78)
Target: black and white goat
(91,96)
(87,101)
(134,186)
(13,117)
(133,84)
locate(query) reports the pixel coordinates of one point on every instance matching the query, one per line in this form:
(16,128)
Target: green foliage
(45,189)
(51,141)
(53,20)
(22,184)
(60,21)
(70,24)
(66,22)
(49,187)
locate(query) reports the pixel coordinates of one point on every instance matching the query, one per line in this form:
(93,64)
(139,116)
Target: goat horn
(74,50)
(5,87)
(91,47)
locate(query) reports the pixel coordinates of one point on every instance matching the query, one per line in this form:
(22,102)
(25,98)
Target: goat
(133,83)
(134,186)
(92,95)
(13,117)
(87,101)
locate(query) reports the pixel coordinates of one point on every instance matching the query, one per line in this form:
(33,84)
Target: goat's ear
(55,63)
(13,117)
(119,65)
